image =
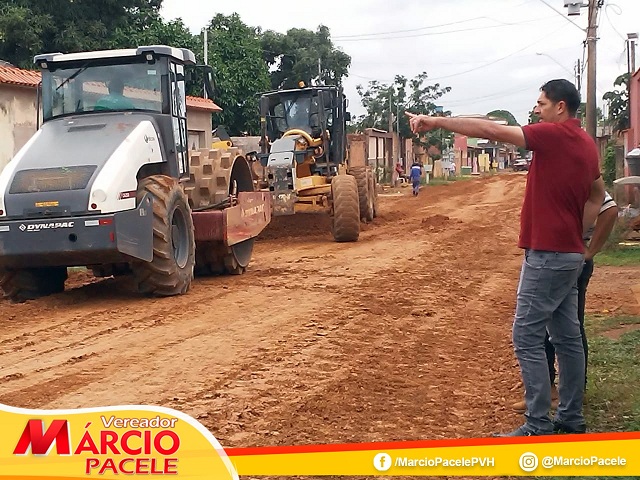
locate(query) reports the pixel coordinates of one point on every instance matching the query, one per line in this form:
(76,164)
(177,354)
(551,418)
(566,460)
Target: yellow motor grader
(305,154)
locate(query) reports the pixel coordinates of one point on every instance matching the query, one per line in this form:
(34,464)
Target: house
(480,155)
(19,104)
(632,135)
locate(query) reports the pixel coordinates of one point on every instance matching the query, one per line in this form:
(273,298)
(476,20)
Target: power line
(496,61)
(563,16)
(471,101)
(619,12)
(407,30)
(471,69)
(437,33)
(375,34)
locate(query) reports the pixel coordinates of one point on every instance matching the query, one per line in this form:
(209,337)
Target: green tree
(506,115)
(533,118)
(155,31)
(582,115)
(303,55)
(618,104)
(30,27)
(235,54)
(386,101)
(609,164)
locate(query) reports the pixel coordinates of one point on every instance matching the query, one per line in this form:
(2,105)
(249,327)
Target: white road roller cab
(108,181)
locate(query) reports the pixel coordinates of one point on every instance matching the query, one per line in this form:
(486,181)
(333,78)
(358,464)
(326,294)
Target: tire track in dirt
(88,343)
(402,335)
(423,320)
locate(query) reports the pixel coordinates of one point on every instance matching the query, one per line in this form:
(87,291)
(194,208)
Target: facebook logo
(382,462)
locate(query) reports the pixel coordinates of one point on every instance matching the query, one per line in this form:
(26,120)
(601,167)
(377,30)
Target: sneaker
(560,427)
(518,432)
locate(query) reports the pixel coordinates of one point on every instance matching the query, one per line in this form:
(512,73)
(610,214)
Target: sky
(494,54)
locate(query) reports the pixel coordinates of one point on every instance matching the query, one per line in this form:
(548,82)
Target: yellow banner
(108,443)
(113,442)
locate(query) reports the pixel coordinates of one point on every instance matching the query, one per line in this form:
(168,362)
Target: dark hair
(563,91)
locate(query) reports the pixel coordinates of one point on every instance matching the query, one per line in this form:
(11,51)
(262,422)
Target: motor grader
(305,154)
(108,182)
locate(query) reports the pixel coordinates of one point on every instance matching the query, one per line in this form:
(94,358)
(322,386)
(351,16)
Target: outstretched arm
(472,127)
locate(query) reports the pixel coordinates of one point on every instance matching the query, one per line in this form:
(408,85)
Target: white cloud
(488,58)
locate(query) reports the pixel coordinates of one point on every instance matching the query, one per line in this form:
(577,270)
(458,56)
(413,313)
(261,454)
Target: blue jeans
(547,301)
(583,283)
(416,185)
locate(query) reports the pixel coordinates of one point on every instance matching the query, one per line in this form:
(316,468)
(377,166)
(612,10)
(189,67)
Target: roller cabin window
(100,88)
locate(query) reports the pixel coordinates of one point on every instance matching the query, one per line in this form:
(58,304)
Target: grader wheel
(24,284)
(365,195)
(346,208)
(170,272)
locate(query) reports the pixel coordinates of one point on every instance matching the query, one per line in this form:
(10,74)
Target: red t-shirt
(564,165)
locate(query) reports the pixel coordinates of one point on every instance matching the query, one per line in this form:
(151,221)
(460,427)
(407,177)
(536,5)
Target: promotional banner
(108,443)
(113,442)
(610,454)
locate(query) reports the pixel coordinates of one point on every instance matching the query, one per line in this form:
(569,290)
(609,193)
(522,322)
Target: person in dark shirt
(415,174)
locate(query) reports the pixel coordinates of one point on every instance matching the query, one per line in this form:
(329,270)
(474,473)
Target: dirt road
(403,335)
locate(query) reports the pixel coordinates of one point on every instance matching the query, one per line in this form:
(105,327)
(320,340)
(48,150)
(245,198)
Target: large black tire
(215,258)
(373,190)
(171,270)
(365,197)
(30,283)
(346,208)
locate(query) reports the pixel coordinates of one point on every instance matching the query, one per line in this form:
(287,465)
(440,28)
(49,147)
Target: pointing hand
(421,123)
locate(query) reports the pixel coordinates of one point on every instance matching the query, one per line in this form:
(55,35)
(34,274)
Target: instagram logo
(382,462)
(528,462)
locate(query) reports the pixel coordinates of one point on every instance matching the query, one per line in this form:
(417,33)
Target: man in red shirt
(564,192)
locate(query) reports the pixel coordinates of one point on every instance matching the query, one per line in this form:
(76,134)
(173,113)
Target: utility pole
(391,124)
(591,68)
(578,76)
(390,114)
(398,130)
(319,71)
(631,67)
(206,55)
(631,53)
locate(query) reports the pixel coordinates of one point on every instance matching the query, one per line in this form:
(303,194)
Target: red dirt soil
(403,335)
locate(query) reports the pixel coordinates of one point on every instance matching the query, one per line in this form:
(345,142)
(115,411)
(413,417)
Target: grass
(619,256)
(613,396)
(444,181)
(612,402)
